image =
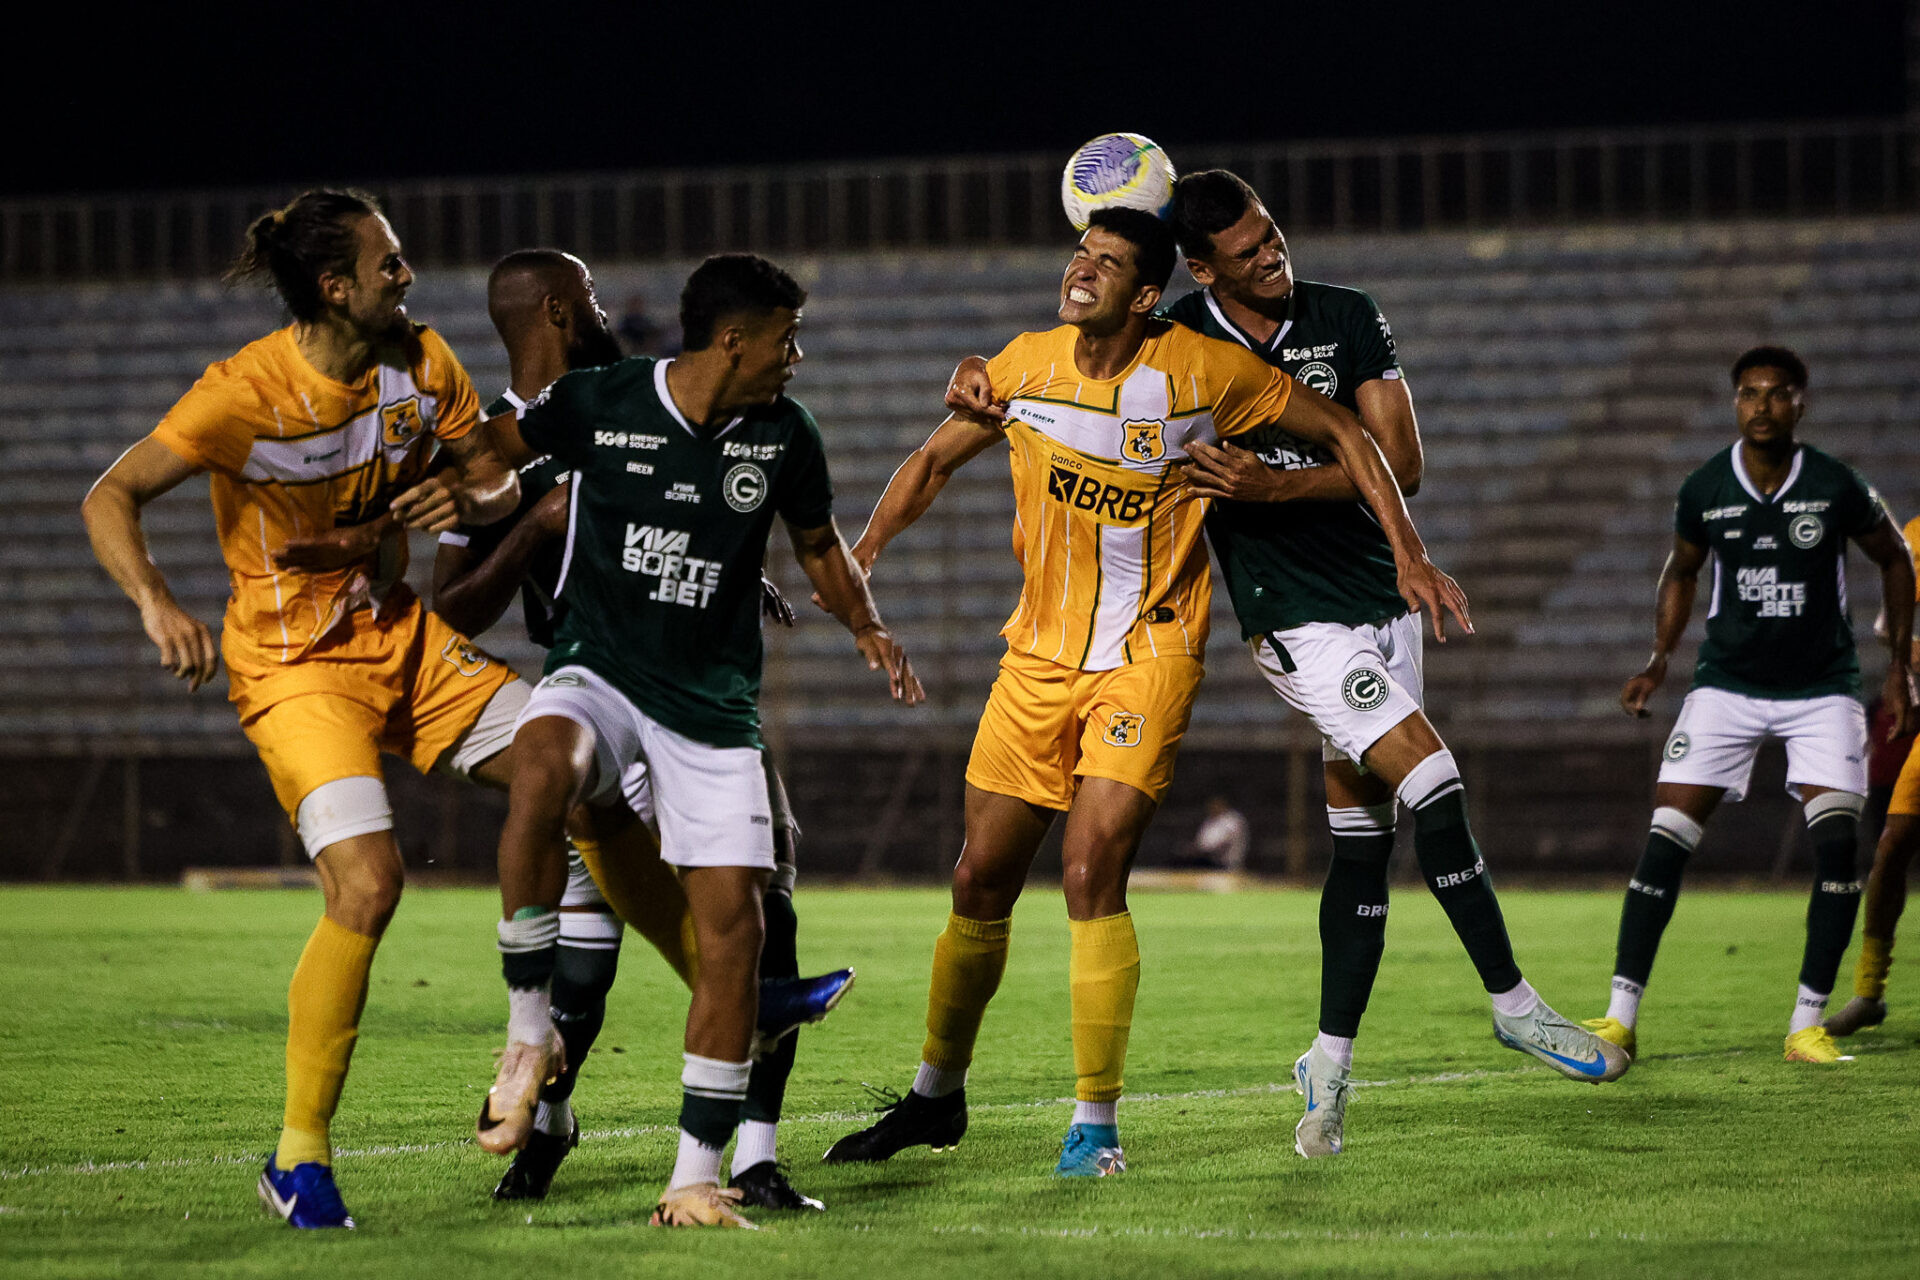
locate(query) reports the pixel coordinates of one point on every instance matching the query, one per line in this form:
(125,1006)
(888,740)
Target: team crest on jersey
(1319,376)
(400,423)
(1364,689)
(1124,729)
(466,659)
(1806,531)
(1677,747)
(745,487)
(1145,441)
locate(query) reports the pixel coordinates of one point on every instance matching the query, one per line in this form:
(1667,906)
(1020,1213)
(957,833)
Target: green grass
(141,1056)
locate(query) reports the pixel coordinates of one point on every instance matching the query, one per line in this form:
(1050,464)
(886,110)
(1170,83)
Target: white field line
(86,1167)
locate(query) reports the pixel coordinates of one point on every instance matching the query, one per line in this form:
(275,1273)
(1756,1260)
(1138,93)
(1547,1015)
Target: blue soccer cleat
(304,1195)
(789,1003)
(1091,1151)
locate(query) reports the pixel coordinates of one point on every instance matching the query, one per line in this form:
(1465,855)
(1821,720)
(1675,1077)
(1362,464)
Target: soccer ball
(1128,170)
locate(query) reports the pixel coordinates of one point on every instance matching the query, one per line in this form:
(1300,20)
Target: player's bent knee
(363,879)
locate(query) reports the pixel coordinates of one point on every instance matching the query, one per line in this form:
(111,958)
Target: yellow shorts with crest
(407,684)
(1046,726)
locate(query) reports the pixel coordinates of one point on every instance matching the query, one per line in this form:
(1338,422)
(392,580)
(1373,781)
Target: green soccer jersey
(1288,563)
(666,532)
(1777,624)
(538,594)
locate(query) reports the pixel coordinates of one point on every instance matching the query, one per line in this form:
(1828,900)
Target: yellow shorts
(1046,725)
(408,685)
(1906,788)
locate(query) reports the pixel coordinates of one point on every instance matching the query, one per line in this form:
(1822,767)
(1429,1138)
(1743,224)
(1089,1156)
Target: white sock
(753,1143)
(1808,1008)
(1517,1003)
(1339,1048)
(697,1162)
(933,1082)
(1624,1005)
(1107,1113)
(529,1014)
(555,1119)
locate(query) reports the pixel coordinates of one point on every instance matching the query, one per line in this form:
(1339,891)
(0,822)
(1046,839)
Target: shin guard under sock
(1103,969)
(969,959)
(1651,895)
(324,1002)
(1454,870)
(1833,822)
(779,958)
(1353,915)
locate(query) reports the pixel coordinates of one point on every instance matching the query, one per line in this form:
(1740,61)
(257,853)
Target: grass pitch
(142,1066)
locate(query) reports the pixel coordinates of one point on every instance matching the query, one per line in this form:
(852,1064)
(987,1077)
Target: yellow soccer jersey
(1106,527)
(294,453)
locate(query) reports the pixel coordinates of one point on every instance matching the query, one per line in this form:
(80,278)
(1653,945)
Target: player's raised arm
(478,488)
(112,514)
(1386,410)
(1886,548)
(1673,605)
(1314,418)
(920,479)
(840,587)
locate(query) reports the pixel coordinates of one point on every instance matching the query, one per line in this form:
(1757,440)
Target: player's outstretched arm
(970,391)
(919,481)
(1673,605)
(479,488)
(112,514)
(840,587)
(1313,417)
(470,591)
(1886,548)
(1386,411)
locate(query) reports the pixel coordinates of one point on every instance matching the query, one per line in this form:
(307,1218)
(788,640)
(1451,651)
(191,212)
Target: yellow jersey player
(311,434)
(1886,885)
(1104,651)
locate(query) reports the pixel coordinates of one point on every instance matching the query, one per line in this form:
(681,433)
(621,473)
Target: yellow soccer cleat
(700,1204)
(1814,1044)
(506,1117)
(1614,1031)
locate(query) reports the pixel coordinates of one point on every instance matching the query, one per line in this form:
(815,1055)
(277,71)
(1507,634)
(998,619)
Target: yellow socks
(324,1001)
(1104,972)
(968,961)
(1870,971)
(644,891)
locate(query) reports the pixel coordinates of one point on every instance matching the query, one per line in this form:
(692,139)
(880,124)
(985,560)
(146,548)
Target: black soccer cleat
(534,1165)
(765,1186)
(913,1121)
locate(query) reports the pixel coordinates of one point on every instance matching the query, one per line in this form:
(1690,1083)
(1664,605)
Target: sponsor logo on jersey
(640,468)
(745,486)
(401,423)
(1289,453)
(1677,747)
(464,658)
(1107,503)
(1322,352)
(661,554)
(1777,599)
(1144,442)
(1318,376)
(1765,542)
(1124,728)
(752,452)
(1364,689)
(626,440)
(1815,505)
(1723,513)
(1806,531)
(682,492)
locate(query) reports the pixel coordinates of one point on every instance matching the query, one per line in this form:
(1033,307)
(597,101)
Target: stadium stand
(1566,381)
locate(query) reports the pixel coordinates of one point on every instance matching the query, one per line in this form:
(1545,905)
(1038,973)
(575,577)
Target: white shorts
(1719,732)
(637,787)
(1354,683)
(710,803)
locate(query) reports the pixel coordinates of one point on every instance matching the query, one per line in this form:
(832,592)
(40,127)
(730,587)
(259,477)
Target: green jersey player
(1778,662)
(678,468)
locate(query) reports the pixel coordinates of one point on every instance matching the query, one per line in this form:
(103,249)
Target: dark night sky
(219,95)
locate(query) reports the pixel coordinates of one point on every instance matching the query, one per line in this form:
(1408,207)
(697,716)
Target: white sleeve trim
(451,538)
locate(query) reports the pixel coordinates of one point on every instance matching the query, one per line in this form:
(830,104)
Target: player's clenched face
(1101,287)
(1767,405)
(590,344)
(1249,263)
(765,348)
(375,298)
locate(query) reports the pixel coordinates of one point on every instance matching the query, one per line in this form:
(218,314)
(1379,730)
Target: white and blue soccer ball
(1125,170)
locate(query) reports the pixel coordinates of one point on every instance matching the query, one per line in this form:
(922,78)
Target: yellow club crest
(1144,441)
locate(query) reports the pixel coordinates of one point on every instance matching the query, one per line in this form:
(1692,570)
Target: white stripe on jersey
(1122,566)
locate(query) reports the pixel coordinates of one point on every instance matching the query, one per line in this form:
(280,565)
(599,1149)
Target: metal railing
(1404,184)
